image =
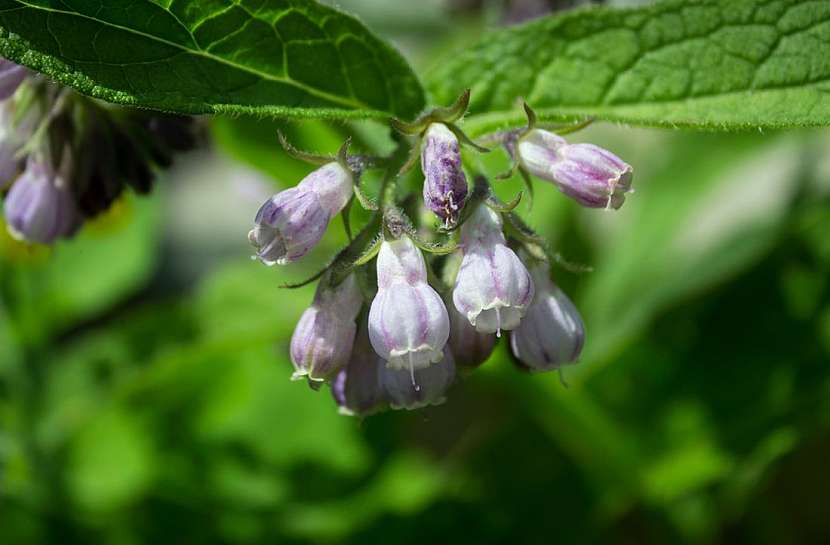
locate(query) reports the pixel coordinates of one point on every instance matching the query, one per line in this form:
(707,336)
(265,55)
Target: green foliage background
(144,392)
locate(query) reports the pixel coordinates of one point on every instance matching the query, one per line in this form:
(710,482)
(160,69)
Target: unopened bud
(445,186)
(592,176)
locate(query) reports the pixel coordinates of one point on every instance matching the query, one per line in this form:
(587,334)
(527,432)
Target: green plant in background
(132,409)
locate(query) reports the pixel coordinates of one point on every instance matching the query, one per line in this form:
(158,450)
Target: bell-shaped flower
(293,221)
(445,186)
(11,76)
(408,322)
(591,175)
(552,333)
(323,339)
(408,389)
(40,207)
(493,288)
(356,388)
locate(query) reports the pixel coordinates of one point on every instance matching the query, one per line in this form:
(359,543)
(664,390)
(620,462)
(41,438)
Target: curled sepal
(531,116)
(445,115)
(437,248)
(310,280)
(520,230)
(558,128)
(347,222)
(411,160)
(455,112)
(365,201)
(308,157)
(509,173)
(571,127)
(528,183)
(369,252)
(504,207)
(464,139)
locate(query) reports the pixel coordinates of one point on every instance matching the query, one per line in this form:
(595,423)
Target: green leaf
(714,64)
(267,57)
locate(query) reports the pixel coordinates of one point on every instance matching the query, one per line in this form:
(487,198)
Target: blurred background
(144,373)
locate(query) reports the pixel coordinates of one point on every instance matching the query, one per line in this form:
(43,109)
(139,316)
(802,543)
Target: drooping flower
(408,323)
(11,76)
(445,186)
(293,221)
(552,333)
(413,390)
(323,338)
(356,388)
(493,288)
(591,175)
(39,207)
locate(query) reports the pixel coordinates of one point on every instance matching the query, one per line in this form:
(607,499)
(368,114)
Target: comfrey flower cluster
(402,311)
(65,158)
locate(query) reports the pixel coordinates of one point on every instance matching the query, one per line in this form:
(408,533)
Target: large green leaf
(272,57)
(717,64)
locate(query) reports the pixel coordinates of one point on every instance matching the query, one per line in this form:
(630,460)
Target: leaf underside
(266,57)
(714,64)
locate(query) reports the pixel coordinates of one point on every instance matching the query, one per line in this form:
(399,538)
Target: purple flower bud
(419,388)
(39,207)
(323,338)
(356,388)
(408,322)
(592,176)
(469,347)
(11,76)
(552,333)
(493,288)
(445,186)
(293,221)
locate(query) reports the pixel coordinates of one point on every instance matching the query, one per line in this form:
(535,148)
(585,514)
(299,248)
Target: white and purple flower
(408,322)
(552,333)
(293,221)
(323,338)
(39,207)
(591,175)
(493,288)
